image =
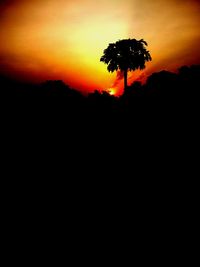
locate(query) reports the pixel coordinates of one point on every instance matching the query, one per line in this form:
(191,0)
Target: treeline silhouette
(163,91)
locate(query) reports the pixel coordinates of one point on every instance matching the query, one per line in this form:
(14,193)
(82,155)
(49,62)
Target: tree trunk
(125,79)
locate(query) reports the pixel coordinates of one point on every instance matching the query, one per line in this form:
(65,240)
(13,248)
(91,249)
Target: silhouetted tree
(126,55)
(162,84)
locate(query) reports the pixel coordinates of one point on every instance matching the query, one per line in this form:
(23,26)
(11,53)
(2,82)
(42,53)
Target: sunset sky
(64,39)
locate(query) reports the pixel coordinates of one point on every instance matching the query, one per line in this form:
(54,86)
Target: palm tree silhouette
(126,55)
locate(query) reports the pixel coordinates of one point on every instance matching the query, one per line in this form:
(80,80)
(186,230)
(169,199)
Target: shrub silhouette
(126,55)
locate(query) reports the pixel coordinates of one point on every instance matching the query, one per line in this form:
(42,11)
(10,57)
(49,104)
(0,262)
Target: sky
(64,39)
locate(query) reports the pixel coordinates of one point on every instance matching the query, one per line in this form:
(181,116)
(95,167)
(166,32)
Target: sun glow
(61,41)
(111,91)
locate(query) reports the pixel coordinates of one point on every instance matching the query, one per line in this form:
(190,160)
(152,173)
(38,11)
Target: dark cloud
(6,3)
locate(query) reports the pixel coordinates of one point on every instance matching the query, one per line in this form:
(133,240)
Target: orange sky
(64,39)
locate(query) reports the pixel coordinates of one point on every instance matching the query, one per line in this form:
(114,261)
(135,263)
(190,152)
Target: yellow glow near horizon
(65,39)
(111,91)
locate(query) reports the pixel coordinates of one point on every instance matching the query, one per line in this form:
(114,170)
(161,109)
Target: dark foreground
(100,169)
(162,115)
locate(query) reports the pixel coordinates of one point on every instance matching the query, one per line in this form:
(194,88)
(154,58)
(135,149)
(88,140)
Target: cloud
(119,77)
